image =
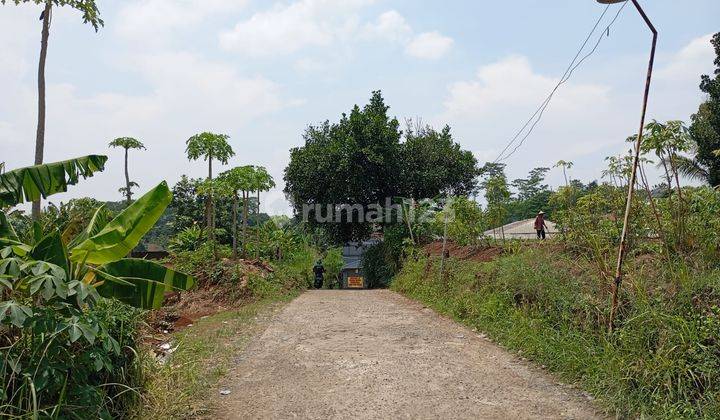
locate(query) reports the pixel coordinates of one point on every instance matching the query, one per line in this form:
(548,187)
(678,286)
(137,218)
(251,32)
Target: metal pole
(633,176)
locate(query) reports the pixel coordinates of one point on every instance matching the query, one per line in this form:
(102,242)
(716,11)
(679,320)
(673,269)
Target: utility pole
(636,160)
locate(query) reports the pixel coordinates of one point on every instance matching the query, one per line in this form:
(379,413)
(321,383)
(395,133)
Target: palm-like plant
(236,181)
(209,146)
(91,15)
(565,165)
(127,143)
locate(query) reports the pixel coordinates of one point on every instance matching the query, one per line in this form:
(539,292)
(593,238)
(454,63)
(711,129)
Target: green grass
(663,361)
(184,386)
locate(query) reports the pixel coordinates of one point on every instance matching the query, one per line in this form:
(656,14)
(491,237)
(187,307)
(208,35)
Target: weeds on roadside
(663,359)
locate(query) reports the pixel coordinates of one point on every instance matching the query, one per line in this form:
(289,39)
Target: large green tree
(705,128)
(91,15)
(127,143)
(361,161)
(353,161)
(209,146)
(432,163)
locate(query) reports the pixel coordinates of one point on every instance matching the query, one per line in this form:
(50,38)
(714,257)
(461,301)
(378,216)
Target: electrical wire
(537,116)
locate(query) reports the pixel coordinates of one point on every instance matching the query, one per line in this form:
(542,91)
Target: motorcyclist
(319,269)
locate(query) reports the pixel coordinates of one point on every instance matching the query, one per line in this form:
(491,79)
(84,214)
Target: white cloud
(153,21)
(585,121)
(287,28)
(694,59)
(429,45)
(390,25)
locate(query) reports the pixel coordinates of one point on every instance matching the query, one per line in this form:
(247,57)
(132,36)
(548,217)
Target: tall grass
(662,361)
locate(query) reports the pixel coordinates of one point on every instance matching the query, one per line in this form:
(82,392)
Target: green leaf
(125,231)
(51,249)
(33,182)
(96,224)
(17,313)
(149,282)
(6,229)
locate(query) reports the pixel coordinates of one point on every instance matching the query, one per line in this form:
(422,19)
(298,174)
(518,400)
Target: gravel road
(375,354)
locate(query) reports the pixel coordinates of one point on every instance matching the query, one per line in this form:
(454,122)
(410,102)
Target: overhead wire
(574,64)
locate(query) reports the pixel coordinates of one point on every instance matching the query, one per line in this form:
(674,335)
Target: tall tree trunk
(128,194)
(40,133)
(235,215)
(661,233)
(565,175)
(257,227)
(246,196)
(209,204)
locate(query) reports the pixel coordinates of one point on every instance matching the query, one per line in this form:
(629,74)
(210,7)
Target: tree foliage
(705,128)
(360,160)
(88,8)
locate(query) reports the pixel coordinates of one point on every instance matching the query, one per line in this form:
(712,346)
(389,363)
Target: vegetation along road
(376,354)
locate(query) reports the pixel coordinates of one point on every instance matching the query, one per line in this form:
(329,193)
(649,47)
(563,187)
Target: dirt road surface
(375,354)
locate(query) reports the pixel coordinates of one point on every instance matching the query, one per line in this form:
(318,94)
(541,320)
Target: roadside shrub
(379,265)
(333,263)
(188,239)
(66,352)
(662,361)
(201,263)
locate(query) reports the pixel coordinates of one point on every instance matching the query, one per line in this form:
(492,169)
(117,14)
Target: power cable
(537,116)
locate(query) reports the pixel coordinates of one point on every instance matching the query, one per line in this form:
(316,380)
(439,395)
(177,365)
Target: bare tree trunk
(128,194)
(209,204)
(257,227)
(40,133)
(235,215)
(246,196)
(444,245)
(661,234)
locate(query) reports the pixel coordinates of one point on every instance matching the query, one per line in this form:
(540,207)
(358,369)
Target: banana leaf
(149,281)
(6,229)
(97,222)
(114,241)
(33,182)
(51,249)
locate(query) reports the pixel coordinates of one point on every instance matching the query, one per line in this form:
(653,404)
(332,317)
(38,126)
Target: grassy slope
(663,360)
(183,387)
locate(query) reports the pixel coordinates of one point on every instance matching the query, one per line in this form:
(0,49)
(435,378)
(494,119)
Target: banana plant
(95,259)
(39,181)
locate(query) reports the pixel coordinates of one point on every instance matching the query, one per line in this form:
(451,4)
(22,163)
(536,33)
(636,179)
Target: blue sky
(261,71)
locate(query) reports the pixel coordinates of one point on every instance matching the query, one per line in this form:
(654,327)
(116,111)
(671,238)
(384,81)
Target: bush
(63,362)
(188,239)
(333,263)
(202,264)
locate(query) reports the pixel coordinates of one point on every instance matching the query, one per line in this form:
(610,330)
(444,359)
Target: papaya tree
(91,15)
(565,165)
(236,182)
(261,181)
(127,143)
(209,146)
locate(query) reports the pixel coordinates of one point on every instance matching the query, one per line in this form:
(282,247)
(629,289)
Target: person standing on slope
(540,225)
